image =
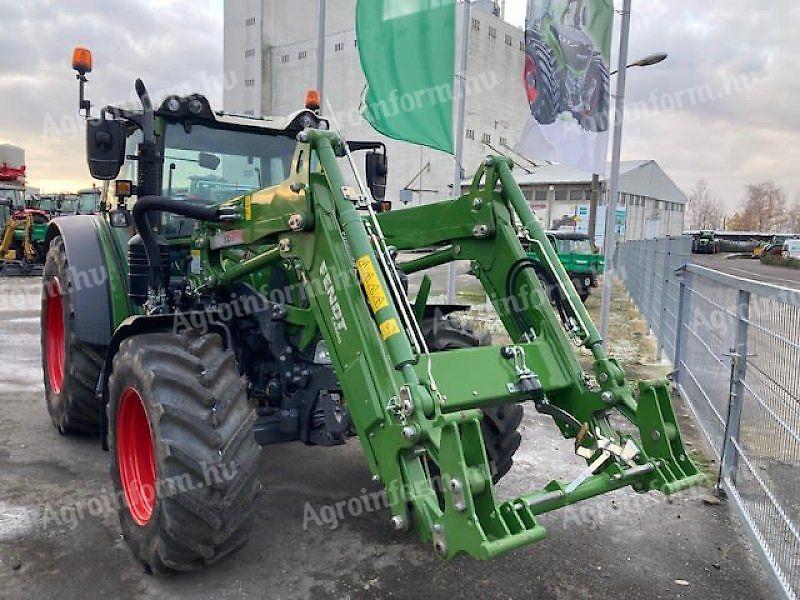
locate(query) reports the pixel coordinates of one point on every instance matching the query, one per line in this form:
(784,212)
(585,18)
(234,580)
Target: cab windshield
(87,203)
(575,246)
(13,196)
(211,166)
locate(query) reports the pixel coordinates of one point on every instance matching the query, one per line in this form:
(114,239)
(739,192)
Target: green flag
(407,50)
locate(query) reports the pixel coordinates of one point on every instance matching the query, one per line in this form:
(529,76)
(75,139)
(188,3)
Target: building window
(487,138)
(522,46)
(476,24)
(285,58)
(470,134)
(339,46)
(249,53)
(561,195)
(509,40)
(302,55)
(249,113)
(503,141)
(540,196)
(249,82)
(492,33)
(577,195)
(249,22)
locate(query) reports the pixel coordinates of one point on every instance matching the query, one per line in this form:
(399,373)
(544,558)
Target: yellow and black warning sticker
(248,208)
(389,328)
(372,284)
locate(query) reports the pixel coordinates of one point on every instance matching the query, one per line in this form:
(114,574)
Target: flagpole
(461,86)
(610,239)
(321,53)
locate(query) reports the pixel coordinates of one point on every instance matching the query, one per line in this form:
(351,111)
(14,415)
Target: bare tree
(765,208)
(705,209)
(793,217)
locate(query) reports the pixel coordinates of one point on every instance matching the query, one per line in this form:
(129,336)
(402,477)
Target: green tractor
(580,257)
(565,71)
(282,315)
(706,242)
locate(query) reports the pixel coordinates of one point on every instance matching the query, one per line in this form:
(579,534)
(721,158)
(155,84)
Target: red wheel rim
(137,466)
(54,336)
(531,85)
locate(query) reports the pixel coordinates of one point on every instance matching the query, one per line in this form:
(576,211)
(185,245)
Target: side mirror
(105,147)
(377,169)
(120,218)
(208,161)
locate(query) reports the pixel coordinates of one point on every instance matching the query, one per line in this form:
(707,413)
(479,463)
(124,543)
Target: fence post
(683,301)
(730,457)
(662,334)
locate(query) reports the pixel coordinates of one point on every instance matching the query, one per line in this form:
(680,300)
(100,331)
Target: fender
(88,276)
(138,325)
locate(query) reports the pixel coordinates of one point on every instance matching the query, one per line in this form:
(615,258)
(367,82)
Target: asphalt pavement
(320,533)
(750,269)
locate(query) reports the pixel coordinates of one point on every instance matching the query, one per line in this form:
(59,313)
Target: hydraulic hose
(550,283)
(147,204)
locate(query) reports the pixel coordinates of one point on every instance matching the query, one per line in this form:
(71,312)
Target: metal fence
(735,344)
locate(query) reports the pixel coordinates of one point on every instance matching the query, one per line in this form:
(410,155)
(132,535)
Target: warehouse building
(650,204)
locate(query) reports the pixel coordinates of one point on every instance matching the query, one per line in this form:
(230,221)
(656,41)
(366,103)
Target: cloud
(724,105)
(173,46)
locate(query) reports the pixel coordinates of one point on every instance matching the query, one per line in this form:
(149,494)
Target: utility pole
(321,54)
(461,87)
(610,239)
(594,198)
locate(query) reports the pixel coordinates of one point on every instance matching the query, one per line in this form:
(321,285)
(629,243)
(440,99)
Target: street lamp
(610,238)
(652,59)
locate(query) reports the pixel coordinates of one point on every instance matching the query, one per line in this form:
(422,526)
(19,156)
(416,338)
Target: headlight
(173,104)
(307,122)
(195,106)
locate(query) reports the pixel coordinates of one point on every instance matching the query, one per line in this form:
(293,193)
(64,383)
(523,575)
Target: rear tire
(500,424)
(183,450)
(596,118)
(71,368)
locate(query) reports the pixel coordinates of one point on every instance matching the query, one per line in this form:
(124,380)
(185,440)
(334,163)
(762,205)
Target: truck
(581,259)
(281,314)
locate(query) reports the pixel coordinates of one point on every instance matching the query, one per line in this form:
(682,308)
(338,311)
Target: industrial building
(650,204)
(270,58)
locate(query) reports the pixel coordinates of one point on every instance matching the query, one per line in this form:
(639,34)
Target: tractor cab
(88,202)
(575,44)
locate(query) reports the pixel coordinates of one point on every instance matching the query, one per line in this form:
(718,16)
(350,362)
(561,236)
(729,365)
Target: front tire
(71,368)
(500,424)
(541,85)
(184,454)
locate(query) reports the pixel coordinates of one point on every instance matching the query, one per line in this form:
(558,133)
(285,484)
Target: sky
(723,107)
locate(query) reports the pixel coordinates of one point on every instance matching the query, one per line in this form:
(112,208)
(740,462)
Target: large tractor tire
(598,81)
(184,457)
(499,425)
(71,368)
(541,85)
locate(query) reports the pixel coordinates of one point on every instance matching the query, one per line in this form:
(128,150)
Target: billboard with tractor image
(567,81)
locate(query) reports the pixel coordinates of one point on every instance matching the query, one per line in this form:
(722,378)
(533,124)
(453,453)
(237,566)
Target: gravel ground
(58,540)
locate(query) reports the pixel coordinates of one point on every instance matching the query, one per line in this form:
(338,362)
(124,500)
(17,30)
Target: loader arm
(417,414)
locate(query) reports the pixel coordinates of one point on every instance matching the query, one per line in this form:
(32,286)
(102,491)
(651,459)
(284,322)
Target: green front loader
(192,331)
